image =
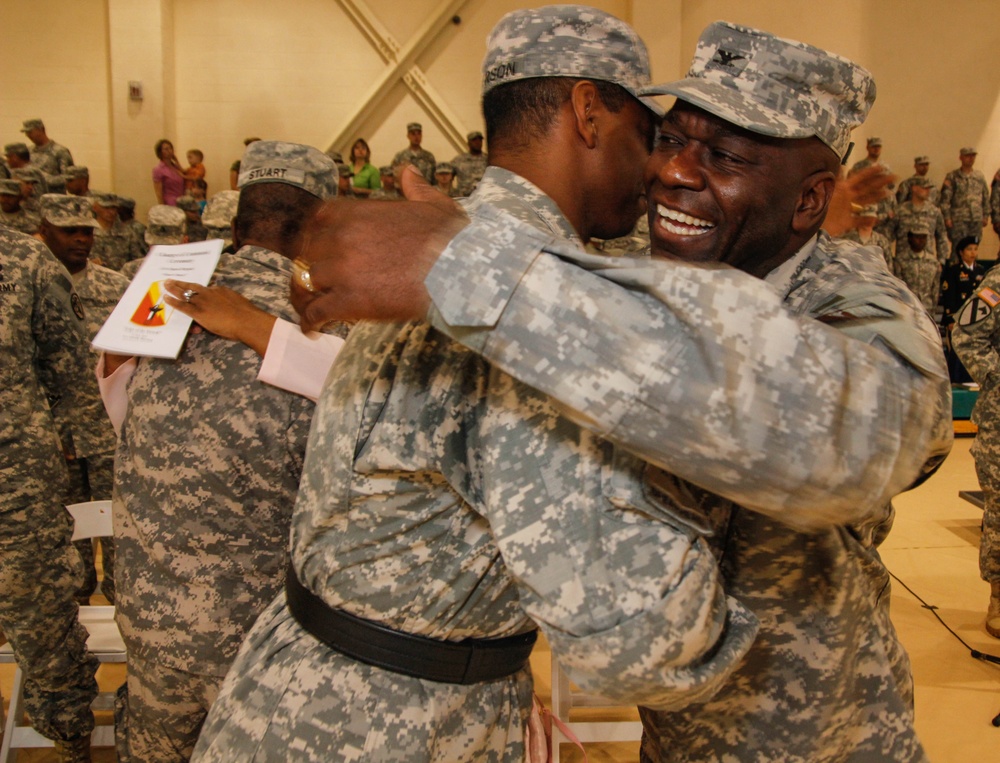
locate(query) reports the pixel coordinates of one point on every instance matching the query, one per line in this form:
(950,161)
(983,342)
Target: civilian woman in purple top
(168,182)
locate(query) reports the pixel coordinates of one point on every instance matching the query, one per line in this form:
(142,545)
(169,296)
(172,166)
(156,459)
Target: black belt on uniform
(454,662)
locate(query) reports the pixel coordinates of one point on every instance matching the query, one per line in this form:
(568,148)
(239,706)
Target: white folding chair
(90,520)
(566,697)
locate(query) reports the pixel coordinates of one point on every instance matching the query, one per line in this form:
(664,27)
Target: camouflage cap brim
(567,41)
(153,238)
(773,86)
(64,211)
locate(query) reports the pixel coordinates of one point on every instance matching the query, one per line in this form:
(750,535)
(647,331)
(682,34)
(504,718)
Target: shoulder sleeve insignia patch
(989,296)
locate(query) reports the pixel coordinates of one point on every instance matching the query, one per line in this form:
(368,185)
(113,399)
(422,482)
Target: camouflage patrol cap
(444,167)
(166,225)
(106,200)
(187,203)
(776,87)
(870,211)
(922,160)
(220,210)
(305,167)
(473,135)
(873,142)
(344,170)
(28,175)
(67,211)
(967,151)
(922,181)
(76,171)
(918,228)
(10,187)
(414,126)
(386,170)
(566,41)
(32,124)
(15,148)
(337,157)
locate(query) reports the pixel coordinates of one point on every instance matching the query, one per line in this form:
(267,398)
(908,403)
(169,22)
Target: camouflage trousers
(39,571)
(90,479)
(961,228)
(159,712)
(289,698)
(986,451)
(923,276)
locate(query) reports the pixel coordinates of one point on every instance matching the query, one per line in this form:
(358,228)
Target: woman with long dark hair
(168,177)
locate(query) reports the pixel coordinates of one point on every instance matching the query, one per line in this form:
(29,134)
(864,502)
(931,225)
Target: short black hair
(523,110)
(274,211)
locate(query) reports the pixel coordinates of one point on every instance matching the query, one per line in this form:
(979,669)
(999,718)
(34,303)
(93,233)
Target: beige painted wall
(216,72)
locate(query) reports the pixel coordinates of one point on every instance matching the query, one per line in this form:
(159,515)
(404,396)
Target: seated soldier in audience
(13,215)
(219,215)
(194,229)
(17,156)
(345,187)
(114,242)
(470,166)
(33,187)
(388,191)
(78,180)
(126,213)
(444,178)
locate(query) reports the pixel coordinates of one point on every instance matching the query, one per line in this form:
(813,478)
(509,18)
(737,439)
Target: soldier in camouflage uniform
(965,199)
(126,213)
(864,233)
(49,156)
(444,178)
(887,206)
(638,366)
(114,243)
(194,229)
(995,202)
(921,165)
(41,327)
(436,418)
(471,165)
(218,215)
(33,187)
(413,154)
(388,190)
(921,270)
(975,338)
(13,216)
(88,438)
(17,156)
(78,181)
(206,474)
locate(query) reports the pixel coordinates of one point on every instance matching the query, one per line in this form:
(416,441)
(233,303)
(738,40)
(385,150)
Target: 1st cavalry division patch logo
(979,307)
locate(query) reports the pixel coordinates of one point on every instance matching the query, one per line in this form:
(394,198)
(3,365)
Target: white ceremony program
(142,323)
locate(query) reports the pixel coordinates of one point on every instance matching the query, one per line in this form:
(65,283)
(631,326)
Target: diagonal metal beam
(402,67)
